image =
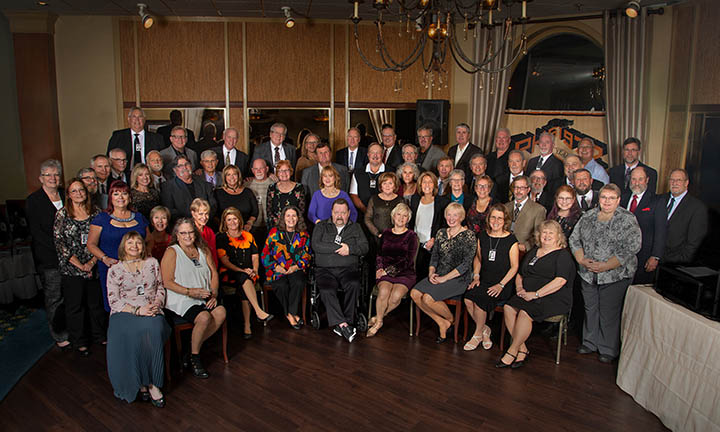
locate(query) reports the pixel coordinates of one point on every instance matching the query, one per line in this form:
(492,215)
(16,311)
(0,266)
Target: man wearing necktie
(620,174)
(687,221)
(276,149)
(546,161)
(353,157)
(527,214)
(135,141)
(649,210)
(587,197)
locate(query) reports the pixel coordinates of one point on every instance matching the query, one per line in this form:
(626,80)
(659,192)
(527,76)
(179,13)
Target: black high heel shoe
(519,363)
(158,403)
(501,365)
(267,319)
(440,340)
(144,395)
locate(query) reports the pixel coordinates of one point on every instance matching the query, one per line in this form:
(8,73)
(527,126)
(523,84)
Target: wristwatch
(502,285)
(537,296)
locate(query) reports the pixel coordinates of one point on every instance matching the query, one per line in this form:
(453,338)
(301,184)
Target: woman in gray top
(450,269)
(604,243)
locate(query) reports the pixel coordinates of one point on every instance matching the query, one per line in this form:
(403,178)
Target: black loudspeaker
(435,113)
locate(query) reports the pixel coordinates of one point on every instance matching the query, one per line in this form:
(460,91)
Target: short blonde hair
(198,204)
(455,207)
(400,208)
(562,241)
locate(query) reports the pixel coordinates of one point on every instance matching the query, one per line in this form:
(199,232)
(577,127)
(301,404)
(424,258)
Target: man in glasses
(429,154)
(178,147)
(392,153)
(180,191)
(526,214)
(134,140)
(276,149)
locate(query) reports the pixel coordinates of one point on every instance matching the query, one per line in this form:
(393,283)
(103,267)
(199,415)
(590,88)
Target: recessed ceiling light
(42,3)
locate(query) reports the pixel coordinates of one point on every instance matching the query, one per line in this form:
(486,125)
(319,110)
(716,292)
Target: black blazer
(553,168)
(164,132)
(497,166)
(617,176)
(395,159)
(40,213)
(264,151)
(123,139)
(175,195)
(594,201)
(361,159)
(651,215)
(546,199)
(242,160)
(438,213)
(686,229)
(464,162)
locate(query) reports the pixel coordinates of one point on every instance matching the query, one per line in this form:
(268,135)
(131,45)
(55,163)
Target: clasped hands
(595,266)
(148,310)
(292,269)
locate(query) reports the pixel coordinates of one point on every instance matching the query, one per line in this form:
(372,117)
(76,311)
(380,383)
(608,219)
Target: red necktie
(633,204)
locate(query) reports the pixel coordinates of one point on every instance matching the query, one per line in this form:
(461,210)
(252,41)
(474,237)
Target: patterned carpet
(10,321)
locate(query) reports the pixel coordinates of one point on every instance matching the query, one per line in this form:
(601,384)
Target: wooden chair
(456,301)
(266,300)
(180,325)
(374,293)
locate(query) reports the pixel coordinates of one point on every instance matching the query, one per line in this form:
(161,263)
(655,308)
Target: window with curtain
(564,72)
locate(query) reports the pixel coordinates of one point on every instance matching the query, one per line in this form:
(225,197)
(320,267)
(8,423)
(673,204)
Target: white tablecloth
(670,361)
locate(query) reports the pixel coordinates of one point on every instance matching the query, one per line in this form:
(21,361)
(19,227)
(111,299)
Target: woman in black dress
(494,269)
(234,194)
(544,289)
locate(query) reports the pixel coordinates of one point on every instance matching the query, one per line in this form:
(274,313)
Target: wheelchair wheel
(315,320)
(362,323)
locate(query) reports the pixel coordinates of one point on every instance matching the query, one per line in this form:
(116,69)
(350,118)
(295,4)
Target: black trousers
(84,311)
(288,290)
(328,280)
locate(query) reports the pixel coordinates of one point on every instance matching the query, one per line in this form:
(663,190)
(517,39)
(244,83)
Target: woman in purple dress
(395,265)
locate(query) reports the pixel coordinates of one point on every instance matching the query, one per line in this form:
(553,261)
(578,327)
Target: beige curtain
(626,53)
(378,117)
(489,91)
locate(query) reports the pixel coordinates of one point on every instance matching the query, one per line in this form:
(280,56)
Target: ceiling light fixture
(147,19)
(632,9)
(289,20)
(42,3)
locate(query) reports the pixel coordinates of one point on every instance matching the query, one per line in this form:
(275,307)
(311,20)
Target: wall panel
(235,61)
(340,31)
(127,60)
(182,61)
(288,64)
(707,61)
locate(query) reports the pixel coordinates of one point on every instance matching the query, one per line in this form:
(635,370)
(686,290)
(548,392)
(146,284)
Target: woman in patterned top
(284,193)
(138,330)
(450,270)
(239,262)
(478,210)
(81,288)
(143,194)
(286,257)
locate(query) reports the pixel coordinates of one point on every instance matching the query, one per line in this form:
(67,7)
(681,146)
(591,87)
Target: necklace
(119,219)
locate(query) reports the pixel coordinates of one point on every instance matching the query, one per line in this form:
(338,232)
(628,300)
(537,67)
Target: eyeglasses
(282,170)
(482,186)
(564,198)
(278,133)
(92,179)
(312,142)
(521,187)
(179,136)
(49,175)
(424,136)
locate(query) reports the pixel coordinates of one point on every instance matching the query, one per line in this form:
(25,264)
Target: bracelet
(502,285)
(188,292)
(537,295)
(137,308)
(476,275)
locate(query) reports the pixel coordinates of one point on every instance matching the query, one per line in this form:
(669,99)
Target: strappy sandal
(486,334)
(473,343)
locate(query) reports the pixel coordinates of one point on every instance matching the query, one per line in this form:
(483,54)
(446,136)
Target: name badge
(140,290)
(373,184)
(533,261)
(338,240)
(83,239)
(491,255)
(138,146)
(195,261)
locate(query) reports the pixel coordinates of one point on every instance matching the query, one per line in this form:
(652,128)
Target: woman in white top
(189,274)
(427,209)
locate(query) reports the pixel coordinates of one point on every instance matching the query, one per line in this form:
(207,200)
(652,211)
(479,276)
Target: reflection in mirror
(373,118)
(205,125)
(298,121)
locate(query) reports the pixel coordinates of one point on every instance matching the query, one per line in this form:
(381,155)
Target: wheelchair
(361,306)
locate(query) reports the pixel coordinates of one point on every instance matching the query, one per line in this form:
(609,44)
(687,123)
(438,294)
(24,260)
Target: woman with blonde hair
(143,194)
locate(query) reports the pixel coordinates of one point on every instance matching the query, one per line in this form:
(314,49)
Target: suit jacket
(123,139)
(264,151)
(651,215)
(464,162)
(168,155)
(553,167)
(438,213)
(164,132)
(311,179)
(546,199)
(530,217)
(686,229)
(553,187)
(242,160)
(40,213)
(395,159)
(175,196)
(432,156)
(594,201)
(497,166)
(361,159)
(617,176)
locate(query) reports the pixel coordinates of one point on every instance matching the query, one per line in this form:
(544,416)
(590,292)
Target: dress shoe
(158,403)
(267,319)
(440,340)
(83,352)
(300,322)
(605,358)
(582,349)
(296,326)
(501,365)
(247,336)
(197,368)
(520,363)
(144,395)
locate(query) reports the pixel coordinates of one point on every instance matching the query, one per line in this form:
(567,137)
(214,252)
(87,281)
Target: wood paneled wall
(183,63)
(706,84)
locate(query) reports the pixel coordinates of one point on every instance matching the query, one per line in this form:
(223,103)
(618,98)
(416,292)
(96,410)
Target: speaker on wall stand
(435,113)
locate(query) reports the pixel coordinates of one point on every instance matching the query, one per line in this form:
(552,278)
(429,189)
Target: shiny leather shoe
(440,340)
(520,363)
(197,368)
(605,358)
(501,365)
(247,336)
(158,403)
(267,319)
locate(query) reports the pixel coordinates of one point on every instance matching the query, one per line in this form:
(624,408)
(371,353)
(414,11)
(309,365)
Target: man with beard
(181,190)
(620,174)
(89,179)
(538,181)
(429,154)
(586,196)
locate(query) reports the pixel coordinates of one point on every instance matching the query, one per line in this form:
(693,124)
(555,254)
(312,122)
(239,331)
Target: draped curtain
(626,53)
(193,120)
(489,91)
(378,117)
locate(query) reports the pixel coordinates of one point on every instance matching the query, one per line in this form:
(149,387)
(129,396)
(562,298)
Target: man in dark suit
(311,174)
(229,154)
(176,119)
(178,138)
(464,150)
(571,164)
(526,214)
(353,156)
(497,161)
(275,150)
(620,174)
(538,181)
(547,161)
(135,141)
(516,168)
(651,214)
(587,197)
(392,153)
(178,193)
(118,166)
(687,221)
(101,165)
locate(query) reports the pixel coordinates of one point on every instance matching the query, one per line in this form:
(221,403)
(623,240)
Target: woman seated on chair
(286,257)
(543,288)
(395,265)
(137,331)
(189,274)
(494,269)
(450,269)
(239,262)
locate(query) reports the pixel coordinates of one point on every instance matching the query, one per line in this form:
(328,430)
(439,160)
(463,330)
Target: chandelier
(438,22)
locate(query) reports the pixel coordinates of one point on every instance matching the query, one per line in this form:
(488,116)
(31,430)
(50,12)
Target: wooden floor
(313,380)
